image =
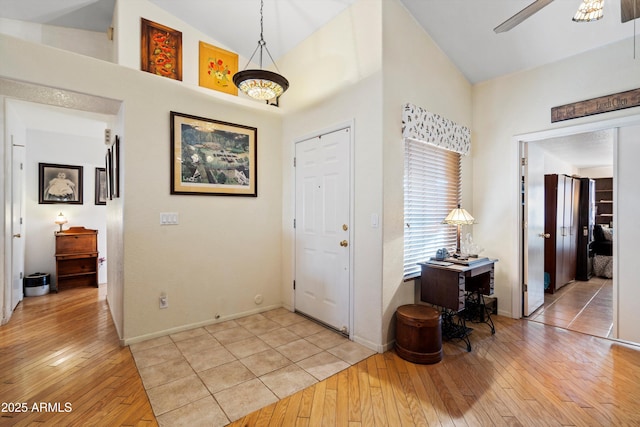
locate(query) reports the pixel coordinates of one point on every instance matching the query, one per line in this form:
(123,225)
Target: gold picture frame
(213,158)
(216,69)
(161,50)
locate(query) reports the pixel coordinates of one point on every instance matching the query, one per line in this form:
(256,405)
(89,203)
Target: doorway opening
(50,134)
(561,173)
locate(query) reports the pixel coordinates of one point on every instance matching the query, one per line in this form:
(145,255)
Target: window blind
(432,187)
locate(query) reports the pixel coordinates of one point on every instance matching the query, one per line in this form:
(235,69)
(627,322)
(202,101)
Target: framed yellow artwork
(217,67)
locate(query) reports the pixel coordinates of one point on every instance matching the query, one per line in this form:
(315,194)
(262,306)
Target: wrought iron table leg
(477,312)
(455,328)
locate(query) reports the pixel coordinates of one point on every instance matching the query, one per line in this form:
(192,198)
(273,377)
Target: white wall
(225,249)
(89,43)
(554,165)
(597,172)
(518,104)
(415,70)
(627,233)
(65,149)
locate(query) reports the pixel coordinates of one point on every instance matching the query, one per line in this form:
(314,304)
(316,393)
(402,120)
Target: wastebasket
(36,284)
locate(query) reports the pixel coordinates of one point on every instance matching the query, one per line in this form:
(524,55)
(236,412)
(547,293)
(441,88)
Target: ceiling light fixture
(261,84)
(589,10)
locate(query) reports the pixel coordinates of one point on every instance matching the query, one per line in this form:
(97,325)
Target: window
(431,189)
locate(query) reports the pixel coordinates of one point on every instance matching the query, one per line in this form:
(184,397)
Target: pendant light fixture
(261,84)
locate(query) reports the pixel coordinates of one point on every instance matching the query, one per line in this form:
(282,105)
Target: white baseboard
(145,337)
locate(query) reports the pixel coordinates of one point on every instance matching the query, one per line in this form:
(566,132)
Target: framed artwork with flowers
(217,67)
(161,50)
(212,158)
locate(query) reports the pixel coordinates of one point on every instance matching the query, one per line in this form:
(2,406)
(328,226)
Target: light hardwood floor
(581,306)
(63,348)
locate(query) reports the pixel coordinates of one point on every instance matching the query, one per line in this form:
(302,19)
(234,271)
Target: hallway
(585,307)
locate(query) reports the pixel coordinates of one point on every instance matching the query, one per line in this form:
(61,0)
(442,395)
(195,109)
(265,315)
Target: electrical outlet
(164,302)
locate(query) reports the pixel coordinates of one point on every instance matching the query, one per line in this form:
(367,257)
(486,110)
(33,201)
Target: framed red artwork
(161,50)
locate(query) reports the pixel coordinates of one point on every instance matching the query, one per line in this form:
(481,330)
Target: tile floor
(585,307)
(219,373)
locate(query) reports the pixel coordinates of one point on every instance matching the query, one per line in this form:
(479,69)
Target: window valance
(421,125)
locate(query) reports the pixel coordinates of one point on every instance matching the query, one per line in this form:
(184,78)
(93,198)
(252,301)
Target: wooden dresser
(76,257)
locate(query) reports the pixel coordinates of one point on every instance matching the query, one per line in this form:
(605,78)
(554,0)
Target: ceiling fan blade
(629,10)
(522,15)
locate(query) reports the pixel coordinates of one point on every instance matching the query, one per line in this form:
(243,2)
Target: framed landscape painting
(59,184)
(217,67)
(214,158)
(161,50)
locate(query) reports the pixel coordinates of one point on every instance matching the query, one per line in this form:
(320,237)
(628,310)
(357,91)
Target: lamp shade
(261,84)
(60,220)
(459,216)
(589,10)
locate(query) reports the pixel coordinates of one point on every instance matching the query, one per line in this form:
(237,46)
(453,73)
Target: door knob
(544,235)
(344,243)
(17,235)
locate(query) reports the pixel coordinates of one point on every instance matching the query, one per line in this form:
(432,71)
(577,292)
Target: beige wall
(225,250)
(520,104)
(627,233)
(127,17)
(351,95)
(379,57)
(90,43)
(414,70)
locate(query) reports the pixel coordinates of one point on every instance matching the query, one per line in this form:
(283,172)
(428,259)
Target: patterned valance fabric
(421,125)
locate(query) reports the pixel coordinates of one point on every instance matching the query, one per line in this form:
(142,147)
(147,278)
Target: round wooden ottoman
(419,333)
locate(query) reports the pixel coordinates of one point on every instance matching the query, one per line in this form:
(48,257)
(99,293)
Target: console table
(459,286)
(76,257)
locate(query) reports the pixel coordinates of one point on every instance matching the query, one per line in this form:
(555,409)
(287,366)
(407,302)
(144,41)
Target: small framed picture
(108,163)
(115,167)
(59,184)
(101,194)
(217,67)
(212,158)
(161,50)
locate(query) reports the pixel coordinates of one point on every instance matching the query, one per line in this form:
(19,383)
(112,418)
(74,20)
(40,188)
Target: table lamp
(61,219)
(459,217)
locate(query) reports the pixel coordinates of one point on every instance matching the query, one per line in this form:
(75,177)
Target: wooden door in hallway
(17,222)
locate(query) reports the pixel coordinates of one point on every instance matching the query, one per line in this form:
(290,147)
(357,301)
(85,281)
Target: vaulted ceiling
(463,29)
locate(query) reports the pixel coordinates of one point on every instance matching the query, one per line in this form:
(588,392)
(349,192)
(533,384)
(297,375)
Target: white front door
(533,197)
(322,233)
(17,226)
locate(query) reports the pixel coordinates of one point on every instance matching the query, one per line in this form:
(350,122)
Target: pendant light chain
(261,20)
(262,42)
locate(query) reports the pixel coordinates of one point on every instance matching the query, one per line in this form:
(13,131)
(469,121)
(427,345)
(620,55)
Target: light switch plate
(168,218)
